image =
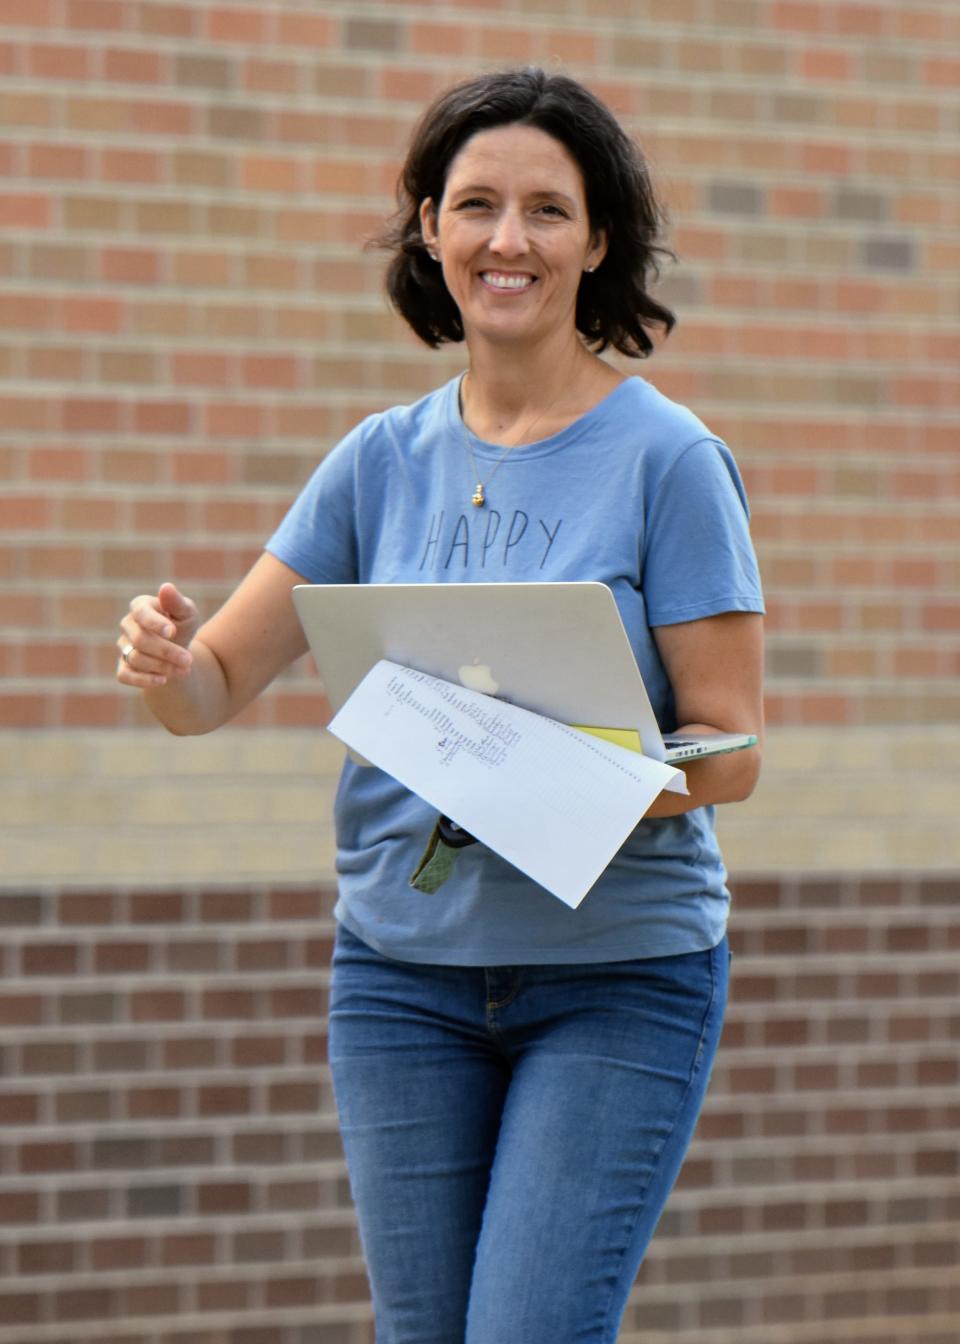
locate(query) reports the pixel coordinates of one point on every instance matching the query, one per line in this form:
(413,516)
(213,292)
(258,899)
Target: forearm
(727,778)
(196,701)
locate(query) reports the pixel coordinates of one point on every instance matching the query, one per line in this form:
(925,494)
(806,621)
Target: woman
(517,1082)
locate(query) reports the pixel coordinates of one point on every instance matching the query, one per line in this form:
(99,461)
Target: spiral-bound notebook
(559,649)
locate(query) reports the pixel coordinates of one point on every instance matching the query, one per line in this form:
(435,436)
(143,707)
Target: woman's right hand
(155,637)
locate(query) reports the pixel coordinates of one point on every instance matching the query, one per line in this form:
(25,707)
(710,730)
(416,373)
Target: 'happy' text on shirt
(487,540)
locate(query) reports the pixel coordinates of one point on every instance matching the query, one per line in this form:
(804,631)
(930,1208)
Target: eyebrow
(479,188)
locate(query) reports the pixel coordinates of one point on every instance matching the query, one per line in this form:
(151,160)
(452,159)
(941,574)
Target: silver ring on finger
(125,653)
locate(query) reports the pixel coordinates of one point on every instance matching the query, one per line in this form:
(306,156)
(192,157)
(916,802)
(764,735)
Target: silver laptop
(559,649)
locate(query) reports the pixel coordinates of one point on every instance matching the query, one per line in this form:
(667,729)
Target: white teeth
(507,281)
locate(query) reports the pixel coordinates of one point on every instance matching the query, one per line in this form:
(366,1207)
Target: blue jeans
(512,1134)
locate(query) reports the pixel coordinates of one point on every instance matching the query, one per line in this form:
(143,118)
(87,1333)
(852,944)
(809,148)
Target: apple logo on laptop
(477,676)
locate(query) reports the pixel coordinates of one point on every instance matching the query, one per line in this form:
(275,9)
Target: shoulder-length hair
(614,305)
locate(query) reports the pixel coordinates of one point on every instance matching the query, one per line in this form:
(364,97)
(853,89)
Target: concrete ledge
(143,808)
(850,800)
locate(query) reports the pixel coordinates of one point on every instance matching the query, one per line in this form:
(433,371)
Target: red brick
(798,203)
(233,420)
(118,1253)
(19,1108)
(229,1004)
(58,61)
(271,76)
(63,562)
(162,417)
(53,959)
(24,512)
(90,710)
(941,616)
(113,958)
(42,14)
(152,1300)
(252,1052)
(84,1106)
(161,515)
(47,1257)
(55,363)
(291,1098)
(23,711)
(196,563)
(211,468)
(232,24)
(26,211)
(166,117)
(300,904)
(188,1249)
(66,162)
(19,1207)
(84,1304)
(223,1197)
(128,66)
(157,1005)
(127,265)
(93,315)
(201,267)
(89,513)
(860,20)
(261,173)
(943,70)
(155,1103)
(289,1195)
(94,15)
(81,1205)
(303,29)
(224,1100)
(47,1157)
(189,1053)
(127,165)
(202,369)
(19,1309)
(265,955)
(280,371)
(169,20)
(302,1001)
(160,907)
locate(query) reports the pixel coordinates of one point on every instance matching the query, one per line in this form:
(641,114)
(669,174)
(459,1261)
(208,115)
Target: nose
(509,238)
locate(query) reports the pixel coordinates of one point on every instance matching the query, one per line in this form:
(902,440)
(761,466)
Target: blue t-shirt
(637,494)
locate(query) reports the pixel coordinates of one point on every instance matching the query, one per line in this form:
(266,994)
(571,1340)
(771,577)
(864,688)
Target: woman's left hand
(715,667)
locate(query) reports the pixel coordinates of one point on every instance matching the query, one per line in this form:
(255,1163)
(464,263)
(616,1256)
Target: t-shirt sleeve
(698,559)
(318,537)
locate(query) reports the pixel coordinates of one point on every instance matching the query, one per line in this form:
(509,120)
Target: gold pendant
(478,497)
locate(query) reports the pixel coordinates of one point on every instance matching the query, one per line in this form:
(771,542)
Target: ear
(428,227)
(598,250)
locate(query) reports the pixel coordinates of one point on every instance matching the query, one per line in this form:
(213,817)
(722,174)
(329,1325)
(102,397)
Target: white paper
(554,801)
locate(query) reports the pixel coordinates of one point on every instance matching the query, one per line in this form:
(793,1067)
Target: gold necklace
(479,496)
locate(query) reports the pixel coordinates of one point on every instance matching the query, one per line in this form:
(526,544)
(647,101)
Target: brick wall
(188,322)
(172,1172)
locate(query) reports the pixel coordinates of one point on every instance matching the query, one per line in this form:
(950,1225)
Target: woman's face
(513,235)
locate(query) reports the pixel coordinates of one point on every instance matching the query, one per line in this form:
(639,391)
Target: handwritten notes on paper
(555,802)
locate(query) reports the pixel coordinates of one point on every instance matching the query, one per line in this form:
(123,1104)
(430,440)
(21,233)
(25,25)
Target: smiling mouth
(507,283)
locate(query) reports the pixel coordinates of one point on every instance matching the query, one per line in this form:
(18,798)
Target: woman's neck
(505,399)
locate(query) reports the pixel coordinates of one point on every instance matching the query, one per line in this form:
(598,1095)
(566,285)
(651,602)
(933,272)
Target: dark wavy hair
(614,306)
